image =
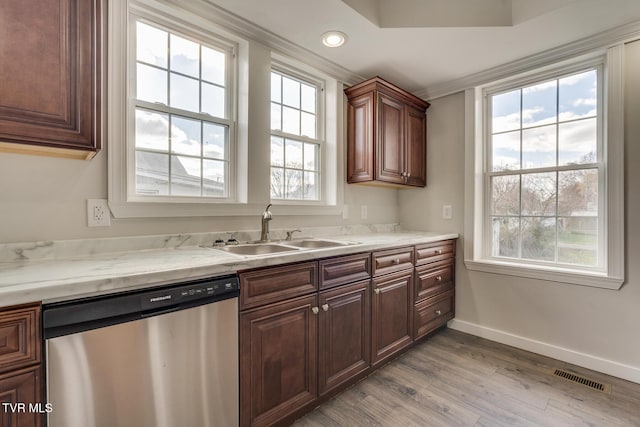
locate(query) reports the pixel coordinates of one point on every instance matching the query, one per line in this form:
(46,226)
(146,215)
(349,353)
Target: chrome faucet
(266,217)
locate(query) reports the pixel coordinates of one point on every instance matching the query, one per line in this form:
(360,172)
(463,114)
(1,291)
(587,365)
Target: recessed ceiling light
(334,38)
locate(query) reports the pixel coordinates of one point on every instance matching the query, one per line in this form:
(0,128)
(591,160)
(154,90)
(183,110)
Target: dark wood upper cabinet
(386,135)
(50,69)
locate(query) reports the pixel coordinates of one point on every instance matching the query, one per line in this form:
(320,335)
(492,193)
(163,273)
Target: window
(295,138)
(182,125)
(544,173)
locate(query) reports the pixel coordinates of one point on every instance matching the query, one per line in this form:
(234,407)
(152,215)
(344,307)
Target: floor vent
(595,385)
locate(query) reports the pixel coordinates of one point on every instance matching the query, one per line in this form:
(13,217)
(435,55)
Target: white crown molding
(244,28)
(603,40)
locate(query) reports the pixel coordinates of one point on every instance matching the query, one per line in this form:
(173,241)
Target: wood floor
(455,379)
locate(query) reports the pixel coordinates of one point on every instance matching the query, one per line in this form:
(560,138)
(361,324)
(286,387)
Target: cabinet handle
(408,174)
(314,310)
(439,252)
(325,307)
(396,261)
(377,290)
(439,279)
(438,312)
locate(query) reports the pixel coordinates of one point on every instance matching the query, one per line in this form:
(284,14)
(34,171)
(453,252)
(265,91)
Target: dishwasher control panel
(191,292)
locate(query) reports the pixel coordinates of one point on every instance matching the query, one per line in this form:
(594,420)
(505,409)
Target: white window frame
(610,274)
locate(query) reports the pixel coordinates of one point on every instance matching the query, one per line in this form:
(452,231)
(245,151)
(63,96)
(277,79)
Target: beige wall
(574,320)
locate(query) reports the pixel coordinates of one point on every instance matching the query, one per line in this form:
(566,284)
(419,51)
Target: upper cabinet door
(360,134)
(416,155)
(390,141)
(50,66)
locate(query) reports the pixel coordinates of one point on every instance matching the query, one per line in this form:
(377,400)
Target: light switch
(447,212)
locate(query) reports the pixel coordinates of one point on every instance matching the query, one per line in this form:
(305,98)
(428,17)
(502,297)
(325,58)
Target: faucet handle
(266,215)
(290,234)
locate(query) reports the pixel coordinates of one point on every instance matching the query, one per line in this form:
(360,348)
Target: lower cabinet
(20,398)
(392,314)
(344,331)
(278,365)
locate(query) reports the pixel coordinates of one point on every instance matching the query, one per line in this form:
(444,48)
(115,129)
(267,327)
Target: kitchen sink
(256,249)
(315,243)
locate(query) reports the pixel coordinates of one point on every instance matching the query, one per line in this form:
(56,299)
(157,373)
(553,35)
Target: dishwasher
(158,357)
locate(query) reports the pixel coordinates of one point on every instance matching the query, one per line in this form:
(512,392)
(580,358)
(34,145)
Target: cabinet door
(16,388)
(390,141)
(416,147)
(50,74)
(360,131)
(278,360)
(392,314)
(344,334)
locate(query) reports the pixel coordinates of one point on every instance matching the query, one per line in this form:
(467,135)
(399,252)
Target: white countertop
(55,279)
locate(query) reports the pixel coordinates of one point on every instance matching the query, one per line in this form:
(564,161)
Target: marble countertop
(48,279)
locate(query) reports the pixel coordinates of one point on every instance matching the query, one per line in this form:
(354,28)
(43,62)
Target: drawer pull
(439,279)
(396,261)
(438,312)
(377,291)
(325,307)
(439,252)
(315,310)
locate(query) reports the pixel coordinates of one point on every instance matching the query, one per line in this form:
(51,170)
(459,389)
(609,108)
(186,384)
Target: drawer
(432,313)
(435,251)
(433,279)
(19,337)
(344,269)
(273,284)
(392,260)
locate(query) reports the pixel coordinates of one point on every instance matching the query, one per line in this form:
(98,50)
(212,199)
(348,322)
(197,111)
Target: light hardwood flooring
(455,379)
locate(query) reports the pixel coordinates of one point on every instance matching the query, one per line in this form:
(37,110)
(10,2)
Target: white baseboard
(609,367)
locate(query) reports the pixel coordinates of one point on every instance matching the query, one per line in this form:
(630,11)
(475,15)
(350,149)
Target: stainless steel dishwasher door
(170,370)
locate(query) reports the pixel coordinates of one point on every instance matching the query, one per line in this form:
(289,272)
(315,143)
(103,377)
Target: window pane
(185,136)
(213,100)
(539,239)
(577,142)
(213,66)
(539,104)
(152,173)
(215,141)
(185,176)
(184,93)
(293,184)
(214,178)
(539,147)
(578,193)
(151,45)
(308,125)
(276,87)
(578,240)
(291,120)
(310,157)
(151,84)
(310,186)
(309,98)
(185,56)
(578,95)
(505,109)
(277,183)
(506,236)
(152,130)
(506,151)
(277,151)
(539,194)
(293,154)
(505,195)
(290,92)
(276,116)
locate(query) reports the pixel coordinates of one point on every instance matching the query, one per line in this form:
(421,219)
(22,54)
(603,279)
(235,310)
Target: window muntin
(544,172)
(182,124)
(295,141)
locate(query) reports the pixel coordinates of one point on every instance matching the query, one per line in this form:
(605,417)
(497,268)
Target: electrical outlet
(98,214)
(363,212)
(447,212)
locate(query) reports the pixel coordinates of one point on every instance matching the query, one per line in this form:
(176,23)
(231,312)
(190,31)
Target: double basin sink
(267,248)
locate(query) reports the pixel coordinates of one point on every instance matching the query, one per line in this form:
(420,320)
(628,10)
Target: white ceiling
(419,57)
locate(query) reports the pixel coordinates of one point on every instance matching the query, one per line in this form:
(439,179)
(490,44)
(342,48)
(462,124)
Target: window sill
(562,275)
